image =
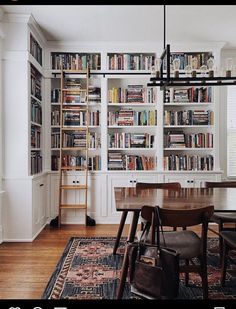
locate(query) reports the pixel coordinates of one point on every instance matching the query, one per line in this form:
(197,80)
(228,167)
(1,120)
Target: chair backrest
(168,185)
(178,217)
(220,184)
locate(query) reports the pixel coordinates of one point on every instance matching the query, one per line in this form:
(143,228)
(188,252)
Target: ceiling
(86,23)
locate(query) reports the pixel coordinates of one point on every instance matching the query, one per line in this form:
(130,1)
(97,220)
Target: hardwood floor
(25,268)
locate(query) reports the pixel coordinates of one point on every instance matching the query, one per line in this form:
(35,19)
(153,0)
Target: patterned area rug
(89,270)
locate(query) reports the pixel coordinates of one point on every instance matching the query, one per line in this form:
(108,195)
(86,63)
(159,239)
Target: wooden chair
(142,185)
(222,217)
(148,185)
(186,242)
(229,243)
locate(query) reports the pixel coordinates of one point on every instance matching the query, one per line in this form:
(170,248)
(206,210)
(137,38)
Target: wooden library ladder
(77,107)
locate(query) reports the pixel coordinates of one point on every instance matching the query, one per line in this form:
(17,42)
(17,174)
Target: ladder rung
(71,187)
(75,206)
(75,71)
(74,128)
(74,109)
(73,90)
(74,148)
(81,168)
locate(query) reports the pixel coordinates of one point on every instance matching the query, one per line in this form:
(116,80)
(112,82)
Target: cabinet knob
(77,181)
(41,185)
(135,181)
(131,181)
(73,181)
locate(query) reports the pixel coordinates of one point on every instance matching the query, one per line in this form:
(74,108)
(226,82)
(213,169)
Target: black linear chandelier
(165,74)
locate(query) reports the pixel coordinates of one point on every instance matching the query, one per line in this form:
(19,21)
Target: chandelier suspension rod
(164,27)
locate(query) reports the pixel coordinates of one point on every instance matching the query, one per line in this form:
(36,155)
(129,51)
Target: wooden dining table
(132,200)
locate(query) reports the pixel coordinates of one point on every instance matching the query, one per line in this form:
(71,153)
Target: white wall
(230,53)
(1,128)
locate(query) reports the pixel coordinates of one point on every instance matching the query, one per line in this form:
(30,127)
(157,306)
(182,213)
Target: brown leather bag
(153,270)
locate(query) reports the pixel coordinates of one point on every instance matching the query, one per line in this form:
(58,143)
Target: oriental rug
(89,270)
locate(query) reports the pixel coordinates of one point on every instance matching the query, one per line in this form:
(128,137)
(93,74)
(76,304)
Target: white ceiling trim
(16,18)
(1,13)
(35,27)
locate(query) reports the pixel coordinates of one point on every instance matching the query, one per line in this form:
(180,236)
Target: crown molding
(16,18)
(1,14)
(36,28)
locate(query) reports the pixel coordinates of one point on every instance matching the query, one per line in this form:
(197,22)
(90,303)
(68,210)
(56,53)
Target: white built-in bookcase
(122,78)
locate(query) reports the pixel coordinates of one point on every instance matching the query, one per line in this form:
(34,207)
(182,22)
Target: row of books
(94,163)
(130,140)
(36,162)
(192,94)
(36,83)
(78,139)
(75,61)
(55,117)
(36,111)
(188,163)
(184,140)
(35,136)
(129,117)
(94,95)
(55,139)
(189,117)
(130,61)
(118,161)
(186,58)
(79,119)
(132,94)
(35,50)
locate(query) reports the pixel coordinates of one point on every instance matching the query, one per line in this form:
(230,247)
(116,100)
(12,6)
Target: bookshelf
(36,124)
(189,129)
(71,118)
(131,124)
(36,50)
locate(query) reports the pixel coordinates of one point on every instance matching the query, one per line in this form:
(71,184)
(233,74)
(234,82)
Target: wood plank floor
(25,268)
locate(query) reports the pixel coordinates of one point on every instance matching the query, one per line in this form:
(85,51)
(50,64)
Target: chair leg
(120,230)
(220,242)
(204,276)
(224,263)
(186,274)
(124,271)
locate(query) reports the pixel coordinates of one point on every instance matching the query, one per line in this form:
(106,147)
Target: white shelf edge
(191,149)
(132,149)
(35,98)
(35,124)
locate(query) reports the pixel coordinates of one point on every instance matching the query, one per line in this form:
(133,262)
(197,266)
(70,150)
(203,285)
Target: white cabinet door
(54,184)
(177,178)
(144,178)
(39,204)
(191,180)
(116,181)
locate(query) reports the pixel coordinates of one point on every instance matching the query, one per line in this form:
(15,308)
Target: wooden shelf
(70,206)
(73,187)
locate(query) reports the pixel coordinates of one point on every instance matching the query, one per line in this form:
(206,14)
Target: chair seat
(186,243)
(224,216)
(229,237)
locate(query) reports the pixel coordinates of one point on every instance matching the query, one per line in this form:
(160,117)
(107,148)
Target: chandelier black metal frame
(166,77)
